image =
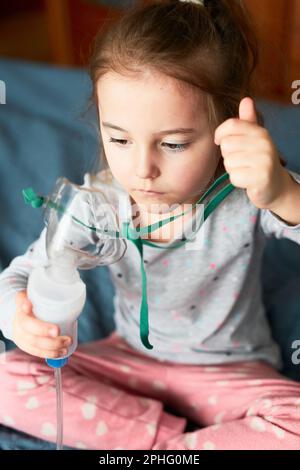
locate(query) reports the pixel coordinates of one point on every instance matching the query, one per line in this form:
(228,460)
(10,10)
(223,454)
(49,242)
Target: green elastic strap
(133,235)
(130,234)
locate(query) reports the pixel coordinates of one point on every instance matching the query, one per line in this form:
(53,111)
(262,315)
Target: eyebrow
(180,130)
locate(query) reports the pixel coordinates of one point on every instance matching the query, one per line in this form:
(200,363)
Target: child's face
(146,159)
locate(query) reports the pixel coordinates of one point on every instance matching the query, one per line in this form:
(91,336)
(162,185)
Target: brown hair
(210,46)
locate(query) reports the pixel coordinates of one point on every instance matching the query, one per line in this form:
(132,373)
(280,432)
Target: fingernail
(25,307)
(53,332)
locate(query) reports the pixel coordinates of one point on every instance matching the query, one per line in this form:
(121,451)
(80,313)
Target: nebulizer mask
(85,231)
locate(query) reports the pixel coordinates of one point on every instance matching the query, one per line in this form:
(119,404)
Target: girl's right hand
(34,336)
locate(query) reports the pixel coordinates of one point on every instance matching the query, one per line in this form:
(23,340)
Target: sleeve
(14,279)
(273,225)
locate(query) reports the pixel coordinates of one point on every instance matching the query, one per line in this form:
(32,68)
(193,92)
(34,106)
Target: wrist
(287,205)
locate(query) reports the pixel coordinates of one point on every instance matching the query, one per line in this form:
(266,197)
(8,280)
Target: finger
(49,344)
(235,127)
(259,162)
(25,306)
(40,352)
(37,327)
(22,299)
(237,160)
(243,178)
(247,111)
(236,143)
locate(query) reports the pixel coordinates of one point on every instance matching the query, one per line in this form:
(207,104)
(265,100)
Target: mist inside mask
(81,226)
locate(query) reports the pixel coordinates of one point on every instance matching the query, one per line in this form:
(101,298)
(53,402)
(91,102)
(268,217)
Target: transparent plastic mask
(70,212)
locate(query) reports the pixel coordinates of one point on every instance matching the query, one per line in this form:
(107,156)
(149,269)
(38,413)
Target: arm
(14,279)
(284,221)
(288,208)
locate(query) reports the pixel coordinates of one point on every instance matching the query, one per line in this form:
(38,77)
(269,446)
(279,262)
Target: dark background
(60,32)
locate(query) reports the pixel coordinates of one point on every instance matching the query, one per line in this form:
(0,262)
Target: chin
(155,206)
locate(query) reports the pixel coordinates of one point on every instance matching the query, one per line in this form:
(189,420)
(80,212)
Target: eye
(117,140)
(178,147)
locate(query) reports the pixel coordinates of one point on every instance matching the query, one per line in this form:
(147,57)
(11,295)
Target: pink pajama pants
(114,398)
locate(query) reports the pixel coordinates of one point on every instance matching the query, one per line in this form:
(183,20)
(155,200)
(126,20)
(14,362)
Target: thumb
(22,300)
(247,111)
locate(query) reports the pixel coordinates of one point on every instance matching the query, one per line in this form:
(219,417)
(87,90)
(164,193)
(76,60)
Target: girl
(171,83)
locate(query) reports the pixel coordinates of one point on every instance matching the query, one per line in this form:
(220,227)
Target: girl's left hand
(250,157)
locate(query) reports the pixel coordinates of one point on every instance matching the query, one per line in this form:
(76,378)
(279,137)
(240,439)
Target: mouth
(149,193)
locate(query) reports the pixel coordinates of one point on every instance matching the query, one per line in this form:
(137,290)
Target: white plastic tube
(59,409)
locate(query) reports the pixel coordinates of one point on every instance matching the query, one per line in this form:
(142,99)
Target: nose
(146,165)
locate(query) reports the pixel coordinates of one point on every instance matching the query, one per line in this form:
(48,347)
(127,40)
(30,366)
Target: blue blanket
(46,131)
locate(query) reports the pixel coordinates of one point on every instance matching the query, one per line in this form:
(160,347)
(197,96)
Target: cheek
(189,175)
(121,173)
(195,177)
(191,182)
(117,165)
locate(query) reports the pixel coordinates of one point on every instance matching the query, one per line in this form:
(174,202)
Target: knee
(20,373)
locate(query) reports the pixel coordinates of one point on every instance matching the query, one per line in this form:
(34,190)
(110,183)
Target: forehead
(150,94)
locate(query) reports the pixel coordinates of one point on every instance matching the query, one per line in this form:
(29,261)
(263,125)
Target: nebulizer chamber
(58,296)
(56,291)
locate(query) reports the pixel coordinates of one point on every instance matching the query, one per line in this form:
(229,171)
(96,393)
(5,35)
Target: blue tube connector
(57,362)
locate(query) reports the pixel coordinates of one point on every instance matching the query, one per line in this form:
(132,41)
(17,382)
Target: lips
(151,192)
